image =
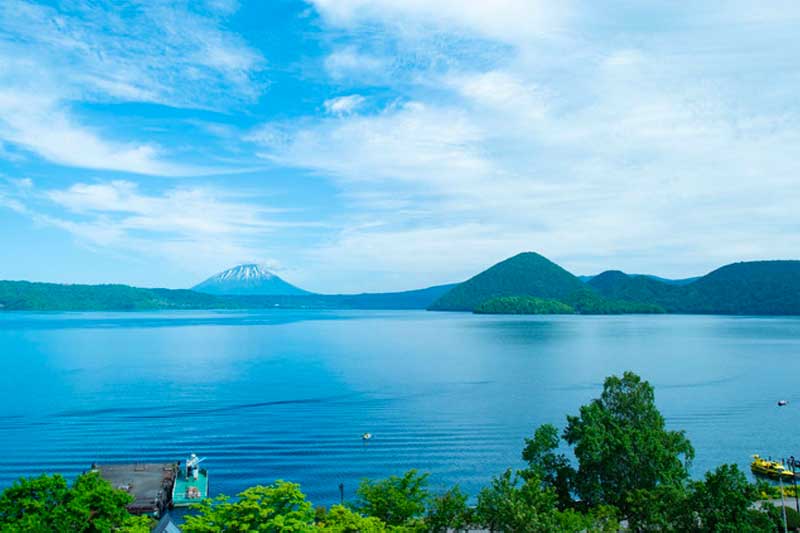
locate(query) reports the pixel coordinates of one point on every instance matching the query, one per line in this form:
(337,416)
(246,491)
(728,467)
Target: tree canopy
(621,444)
(281,506)
(46,503)
(395,500)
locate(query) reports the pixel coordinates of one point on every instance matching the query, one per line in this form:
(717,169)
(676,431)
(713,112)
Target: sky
(357,145)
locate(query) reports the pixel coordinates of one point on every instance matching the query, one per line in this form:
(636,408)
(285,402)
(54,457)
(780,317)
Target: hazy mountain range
(525,283)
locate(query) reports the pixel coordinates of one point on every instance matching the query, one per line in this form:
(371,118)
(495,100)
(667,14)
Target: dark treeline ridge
(753,288)
(29,296)
(585,302)
(629,473)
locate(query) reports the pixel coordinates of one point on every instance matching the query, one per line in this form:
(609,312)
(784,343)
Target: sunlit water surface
(268,395)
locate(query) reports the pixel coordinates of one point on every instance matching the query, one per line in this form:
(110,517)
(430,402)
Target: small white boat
(781,403)
(366,436)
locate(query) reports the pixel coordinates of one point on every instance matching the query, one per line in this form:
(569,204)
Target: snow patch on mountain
(248,279)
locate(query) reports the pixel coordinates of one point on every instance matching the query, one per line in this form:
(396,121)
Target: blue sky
(356,145)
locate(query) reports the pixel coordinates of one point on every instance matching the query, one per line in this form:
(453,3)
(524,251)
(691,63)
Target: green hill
(635,288)
(751,288)
(747,288)
(525,274)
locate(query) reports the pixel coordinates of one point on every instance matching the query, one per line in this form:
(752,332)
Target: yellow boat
(770,469)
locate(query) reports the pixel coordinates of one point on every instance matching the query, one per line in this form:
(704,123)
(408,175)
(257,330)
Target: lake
(281,394)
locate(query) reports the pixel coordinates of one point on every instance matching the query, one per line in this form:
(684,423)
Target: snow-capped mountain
(247,279)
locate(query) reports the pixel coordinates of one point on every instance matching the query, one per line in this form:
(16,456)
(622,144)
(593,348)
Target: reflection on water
(288,394)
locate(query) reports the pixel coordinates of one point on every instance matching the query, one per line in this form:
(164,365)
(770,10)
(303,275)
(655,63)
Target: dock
(150,484)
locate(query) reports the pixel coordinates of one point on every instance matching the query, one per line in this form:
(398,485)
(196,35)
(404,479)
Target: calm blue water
(287,394)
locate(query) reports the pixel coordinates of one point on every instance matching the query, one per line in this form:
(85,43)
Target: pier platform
(149,483)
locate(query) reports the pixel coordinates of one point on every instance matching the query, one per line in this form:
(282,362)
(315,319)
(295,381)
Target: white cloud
(510,21)
(158,52)
(348,63)
(197,228)
(43,127)
(597,153)
(343,105)
(184,211)
(393,145)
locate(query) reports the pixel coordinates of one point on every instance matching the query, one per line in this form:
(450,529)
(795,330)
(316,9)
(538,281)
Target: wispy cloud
(198,228)
(158,52)
(394,144)
(432,136)
(511,21)
(605,151)
(344,105)
(41,125)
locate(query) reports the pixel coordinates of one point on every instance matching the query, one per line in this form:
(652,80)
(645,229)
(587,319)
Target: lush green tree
(552,468)
(663,508)
(775,516)
(602,519)
(622,445)
(28,503)
(448,511)
(280,507)
(46,503)
(340,519)
(136,524)
(724,500)
(523,503)
(394,500)
(518,503)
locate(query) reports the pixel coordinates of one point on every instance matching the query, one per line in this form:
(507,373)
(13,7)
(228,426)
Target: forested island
(584,302)
(629,473)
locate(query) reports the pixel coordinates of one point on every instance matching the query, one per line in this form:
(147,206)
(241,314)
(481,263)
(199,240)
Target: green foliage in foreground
(629,466)
(721,502)
(622,445)
(394,500)
(281,506)
(47,503)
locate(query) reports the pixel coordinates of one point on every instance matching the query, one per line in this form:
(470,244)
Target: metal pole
(783,505)
(794,481)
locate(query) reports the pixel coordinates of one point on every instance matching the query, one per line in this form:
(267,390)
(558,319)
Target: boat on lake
(191,483)
(771,469)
